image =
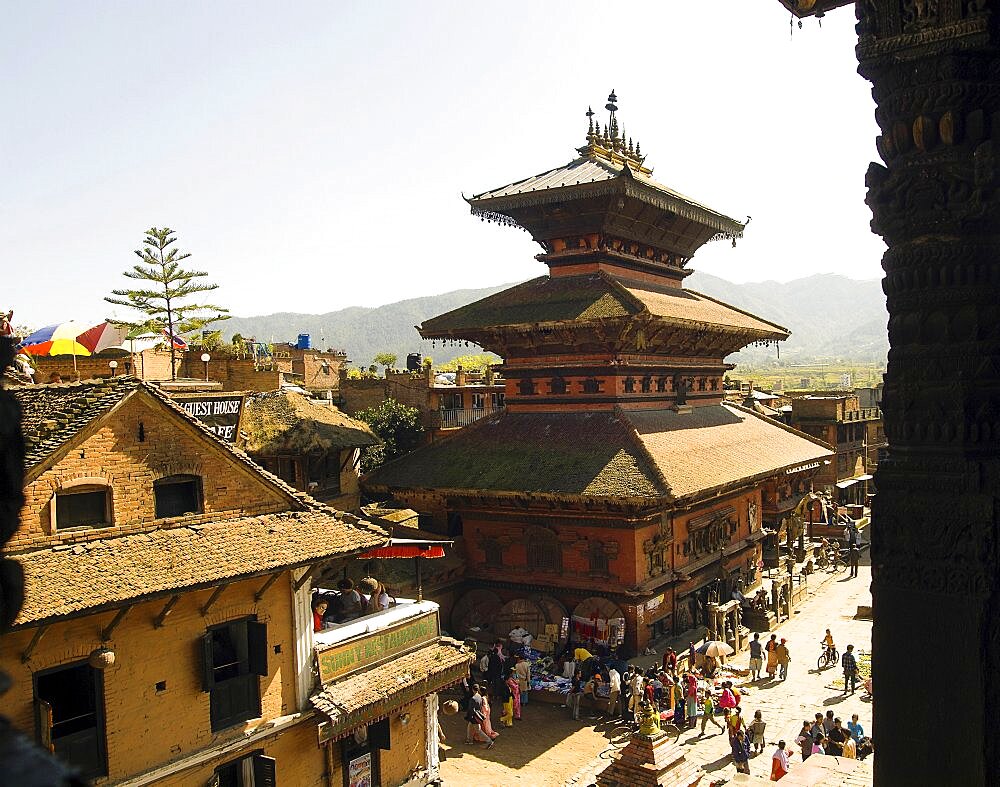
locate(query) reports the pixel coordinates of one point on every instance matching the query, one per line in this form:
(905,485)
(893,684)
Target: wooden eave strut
(213,598)
(115,622)
(264,588)
(313,571)
(159,620)
(39,633)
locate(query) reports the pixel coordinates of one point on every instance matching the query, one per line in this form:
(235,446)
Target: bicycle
(828,658)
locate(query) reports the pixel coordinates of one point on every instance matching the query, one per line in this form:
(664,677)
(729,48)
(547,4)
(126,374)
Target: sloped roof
(625,453)
(288,422)
(53,414)
(64,580)
(377,691)
(588,171)
(594,297)
(575,454)
(715,446)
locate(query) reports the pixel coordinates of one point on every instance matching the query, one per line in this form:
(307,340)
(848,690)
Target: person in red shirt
(670,662)
(319,610)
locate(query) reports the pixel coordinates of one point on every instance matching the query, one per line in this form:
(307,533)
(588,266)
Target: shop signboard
(379,646)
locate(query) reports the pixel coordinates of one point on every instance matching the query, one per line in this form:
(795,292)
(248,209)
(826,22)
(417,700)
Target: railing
(862,414)
(452,419)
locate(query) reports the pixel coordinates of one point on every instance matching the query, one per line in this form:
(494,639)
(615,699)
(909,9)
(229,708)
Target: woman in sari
(772,655)
(515,693)
(487,724)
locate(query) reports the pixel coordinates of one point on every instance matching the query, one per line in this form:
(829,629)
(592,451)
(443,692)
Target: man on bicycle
(830,647)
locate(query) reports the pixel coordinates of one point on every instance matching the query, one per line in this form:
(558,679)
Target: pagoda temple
(617,494)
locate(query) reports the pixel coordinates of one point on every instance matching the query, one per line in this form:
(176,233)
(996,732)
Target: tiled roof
(719,445)
(287,422)
(583,174)
(626,453)
(589,453)
(53,414)
(69,579)
(594,297)
(377,691)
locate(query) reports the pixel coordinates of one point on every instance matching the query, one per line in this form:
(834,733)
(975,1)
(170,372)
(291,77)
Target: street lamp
(114,367)
(205,358)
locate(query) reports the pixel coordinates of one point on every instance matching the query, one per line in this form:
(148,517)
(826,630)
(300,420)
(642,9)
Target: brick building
(445,402)
(166,633)
(617,491)
(857,435)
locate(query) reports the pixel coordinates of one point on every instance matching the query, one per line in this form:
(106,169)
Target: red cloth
(317,621)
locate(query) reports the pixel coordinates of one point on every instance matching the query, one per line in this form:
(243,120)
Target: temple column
(935,74)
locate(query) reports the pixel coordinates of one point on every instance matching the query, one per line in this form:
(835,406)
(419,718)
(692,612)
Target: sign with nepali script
(342,658)
(220,413)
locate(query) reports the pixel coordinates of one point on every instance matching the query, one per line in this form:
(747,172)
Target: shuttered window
(234,660)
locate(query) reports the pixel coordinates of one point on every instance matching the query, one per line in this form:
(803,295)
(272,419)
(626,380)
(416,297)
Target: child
(708,706)
(757,732)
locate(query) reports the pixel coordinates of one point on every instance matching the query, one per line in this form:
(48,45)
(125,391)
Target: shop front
(377,701)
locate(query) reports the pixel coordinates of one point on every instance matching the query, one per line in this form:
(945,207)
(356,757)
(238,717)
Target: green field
(815,376)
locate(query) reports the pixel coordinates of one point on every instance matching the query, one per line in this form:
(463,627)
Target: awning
(407,547)
(847,483)
(377,692)
(864,477)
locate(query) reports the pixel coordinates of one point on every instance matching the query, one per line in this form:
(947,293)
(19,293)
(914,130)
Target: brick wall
(146,727)
(149,365)
(114,453)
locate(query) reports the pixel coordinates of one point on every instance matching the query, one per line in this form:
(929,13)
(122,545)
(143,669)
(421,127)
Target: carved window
(591,385)
(647,384)
(629,385)
(558,385)
(493,552)
(597,558)
(544,551)
(526,387)
(655,560)
(701,383)
(714,383)
(661,384)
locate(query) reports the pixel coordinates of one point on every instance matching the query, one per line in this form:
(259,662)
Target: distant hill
(830,316)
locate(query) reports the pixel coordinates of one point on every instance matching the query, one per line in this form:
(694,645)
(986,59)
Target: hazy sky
(312,156)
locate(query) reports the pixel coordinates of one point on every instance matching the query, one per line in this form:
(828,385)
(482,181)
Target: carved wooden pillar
(934,66)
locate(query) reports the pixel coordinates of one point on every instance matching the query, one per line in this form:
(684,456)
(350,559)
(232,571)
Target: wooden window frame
(78,486)
(177,479)
(249,673)
(43,714)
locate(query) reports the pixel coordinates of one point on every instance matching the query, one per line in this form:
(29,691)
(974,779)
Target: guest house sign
(220,413)
(350,656)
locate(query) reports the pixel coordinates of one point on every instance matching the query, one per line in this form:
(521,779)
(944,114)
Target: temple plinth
(651,761)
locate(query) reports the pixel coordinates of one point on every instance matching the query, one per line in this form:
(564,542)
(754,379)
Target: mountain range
(830,316)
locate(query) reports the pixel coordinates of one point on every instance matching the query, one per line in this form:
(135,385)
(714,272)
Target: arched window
(544,551)
(558,385)
(177,495)
(661,384)
(526,387)
(629,385)
(647,384)
(591,385)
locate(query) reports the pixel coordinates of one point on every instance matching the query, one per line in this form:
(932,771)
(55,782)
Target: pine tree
(165,304)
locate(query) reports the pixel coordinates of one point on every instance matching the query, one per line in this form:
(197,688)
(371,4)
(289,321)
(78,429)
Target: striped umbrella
(102,336)
(59,339)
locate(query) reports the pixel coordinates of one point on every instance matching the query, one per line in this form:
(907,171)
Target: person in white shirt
(614,691)
(779,762)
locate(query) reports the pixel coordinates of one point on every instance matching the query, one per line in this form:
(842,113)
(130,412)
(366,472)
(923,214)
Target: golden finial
(590,126)
(638,153)
(631,150)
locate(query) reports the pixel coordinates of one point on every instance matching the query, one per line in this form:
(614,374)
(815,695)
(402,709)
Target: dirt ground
(544,749)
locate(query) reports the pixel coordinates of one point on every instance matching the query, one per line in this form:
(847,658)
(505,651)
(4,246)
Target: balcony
(453,419)
(863,414)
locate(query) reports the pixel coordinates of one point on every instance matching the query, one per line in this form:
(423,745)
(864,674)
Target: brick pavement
(547,749)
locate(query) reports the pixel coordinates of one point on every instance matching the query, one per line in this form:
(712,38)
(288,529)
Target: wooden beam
(308,575)
(39,633)
(213,598)
(270,581)
(158,621)
(115,621)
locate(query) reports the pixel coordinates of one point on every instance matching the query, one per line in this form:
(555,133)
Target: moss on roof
(279,422)
(543,299)
(591,454)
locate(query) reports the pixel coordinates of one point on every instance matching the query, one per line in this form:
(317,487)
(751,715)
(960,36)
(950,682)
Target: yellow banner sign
(340,659)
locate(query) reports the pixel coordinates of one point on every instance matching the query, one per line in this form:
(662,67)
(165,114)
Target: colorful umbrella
(102,336)
(59,339)
(716,648)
